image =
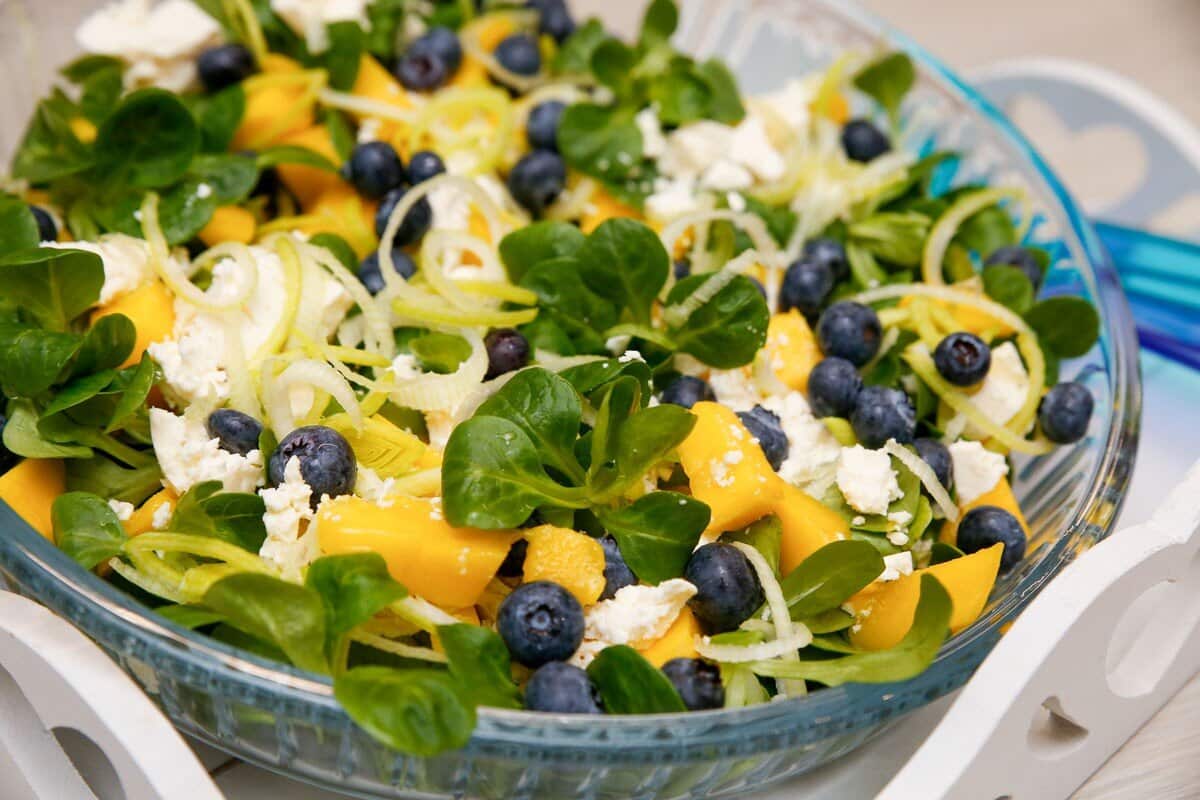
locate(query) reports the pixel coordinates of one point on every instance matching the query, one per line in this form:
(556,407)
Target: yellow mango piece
(792,349)
(968,318)
(808,525)
(343,211)
(571,559)
(604,206)
(835,107)
(678,642)
(471,74)
(447,566)
(229,224)
(1001,495)
(273,110)
(143,518)
(885,614)
(492,29)
(375,82)
(727,469)
(30,488)
(151,309)
(309,183)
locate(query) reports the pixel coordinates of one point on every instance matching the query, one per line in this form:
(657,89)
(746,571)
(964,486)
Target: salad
(471,356)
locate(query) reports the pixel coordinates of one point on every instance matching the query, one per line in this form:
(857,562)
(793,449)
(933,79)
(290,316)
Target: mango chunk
(30,488)
(604,206)
(309,183)
(447,566)
(571,559)
(808,525)
(885,612)
(375,82)
(142,520)
(678,642)
(792,349)
(229,224)
(968,318)
(151,309)
(343,211)
(274,109)
(1001,496)
(727,469)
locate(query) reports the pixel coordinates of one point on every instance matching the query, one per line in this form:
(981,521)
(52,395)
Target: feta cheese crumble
(188,456)
(735,388)
(291,542)
(1004,389)
(813,452)
(896,566)
(126,262)
(159,44)
(162,516)
(637,616)
(310,18)
(122,509)
(977,470)
(867,480)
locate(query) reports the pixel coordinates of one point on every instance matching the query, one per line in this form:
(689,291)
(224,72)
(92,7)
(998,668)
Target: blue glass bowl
(287,720)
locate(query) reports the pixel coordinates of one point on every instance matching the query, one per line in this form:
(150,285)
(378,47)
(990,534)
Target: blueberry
(617,574)
(423,165)
(697,681)
(237,432)
(984,526)
(46,226)
(519,53)
(683,268)
(443,43)
(1016,256)
(416,222)
(542,126)
(1065,412)
(507,351)
(833,387)
(829,252)
(727,587)
(937,456)
(556,20)
(881,414)
(562,689)
(540,622)
(513,565)
(850,331)
(8,459)
(326,461)
(371,275)
(806,286)
(864,142)
(421,70)
(537,179)
(686,391)
(374,169)
(963,359)
(223,66)
(765,426)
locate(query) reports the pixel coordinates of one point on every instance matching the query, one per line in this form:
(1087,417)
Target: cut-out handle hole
(1052,733)
(91,763)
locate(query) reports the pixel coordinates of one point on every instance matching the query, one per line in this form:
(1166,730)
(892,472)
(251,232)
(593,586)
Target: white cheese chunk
(122,509)
(126,263)
(693,148)
(1004,389)
(159,44)
(977,470)
(188,456)
(725,175)
(752,148)
(673,198)
(162,517)
(867,480)
(654,144)
(896,566)
(637,615)
(291,542)
(309,18)
(813,452)
(735,388)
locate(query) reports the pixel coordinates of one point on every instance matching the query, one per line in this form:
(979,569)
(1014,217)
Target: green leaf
(346,45)
(601,142)
(765,536)
(681,96)
(574,56)
(864,268)
(218,117)
(725,102)
(204,510)
(618,403)
(564,299)
(50,150)
(829,621)
(133,397)
(289,616)
(387,19)
(546,408)
(828,577)
(914,653)
(897,237)
(106,344)
(417,711)
(986,231)
(231,177)
(340,248)
(440,352)
(629,684)
(293,154)
(527,247)
(86,529)
(657,533)
(148,141)
(50,285)
(728,330)
(101,475)
(190,617)
(780,220)
(22,437)
(18,228)
(659,23)
(32,359)
(78,391)
(354,587)
(591,378)
(646,439)
(887,80)
(612,61)
(480,663)
(943,552)
(1008,286)
(1066,326)
(624,261)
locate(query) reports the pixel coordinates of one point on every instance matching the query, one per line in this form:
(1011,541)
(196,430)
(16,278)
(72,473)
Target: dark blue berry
(617,574)
(727,587)
(864,142)
(555,20)
(833,387)
(223,66)
(519,53)
(507,351)
(937,456)
(416,222)
(542,126)
(423,165)
(562,689)
(46,226)
(443,43)
(1016,256)
(984,526)
(237,432)
(8,459)
(850,331)
(683,268)
(806,286)
(829,252)
(686,391)
(1065,412)
(537,179)
(540,622)
(963,359)
(513,565)
(881,414)
(327,462)
(697,681)
(421,70)
(374,169)
(765,426)
(371,275)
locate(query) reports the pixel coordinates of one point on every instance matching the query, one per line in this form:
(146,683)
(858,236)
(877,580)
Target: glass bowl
(287,720)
